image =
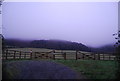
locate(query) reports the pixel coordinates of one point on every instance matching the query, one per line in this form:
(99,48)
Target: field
(29,49)
(93,69)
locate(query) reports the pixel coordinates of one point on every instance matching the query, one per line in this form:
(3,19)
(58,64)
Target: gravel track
(42,70)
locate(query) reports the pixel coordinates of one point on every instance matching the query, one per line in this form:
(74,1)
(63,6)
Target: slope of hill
(50,44)
(16,43)
(59,44)
(106,48)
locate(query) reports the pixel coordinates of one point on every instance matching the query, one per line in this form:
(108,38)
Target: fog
(90,23)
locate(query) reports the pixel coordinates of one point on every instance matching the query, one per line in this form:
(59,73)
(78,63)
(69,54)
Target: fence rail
(77,55)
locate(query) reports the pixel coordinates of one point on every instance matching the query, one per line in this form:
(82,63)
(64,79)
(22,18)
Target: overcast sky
(90,23)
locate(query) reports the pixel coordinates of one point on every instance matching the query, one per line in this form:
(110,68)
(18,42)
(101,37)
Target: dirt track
(42,70)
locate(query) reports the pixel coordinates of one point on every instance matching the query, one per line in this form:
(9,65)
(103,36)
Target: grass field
(29,49)
(92,69)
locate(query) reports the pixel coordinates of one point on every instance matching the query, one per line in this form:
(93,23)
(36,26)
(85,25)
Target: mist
(90,23)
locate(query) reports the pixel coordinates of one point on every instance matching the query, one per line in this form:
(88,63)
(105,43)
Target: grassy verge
(9,71)
(92,69)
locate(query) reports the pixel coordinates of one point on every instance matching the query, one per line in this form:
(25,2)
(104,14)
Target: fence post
(64,56)
(76,55)
(31,55)
(98,56)
(25,55)
(94,56)
(109,56)
(103,56)
(6,54)
(20,55)
(53,56)
(14,54)
(35,55)
(83,56)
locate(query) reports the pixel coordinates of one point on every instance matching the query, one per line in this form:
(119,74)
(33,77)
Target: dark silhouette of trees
(117,45)
(1,36)
(59,45)
(3,42)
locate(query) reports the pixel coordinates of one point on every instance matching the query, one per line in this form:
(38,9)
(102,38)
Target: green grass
(29,49)
(92,69)
(9,71)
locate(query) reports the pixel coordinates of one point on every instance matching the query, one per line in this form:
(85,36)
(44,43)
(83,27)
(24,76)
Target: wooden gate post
(35,55)
(53,56)
(94,56)
(24,55)
(6,54)
(76,55)
(83,56)
(20,55)
(14,54)
(103,57)
(98,56)
(64,56)
(109,57)
(31,55)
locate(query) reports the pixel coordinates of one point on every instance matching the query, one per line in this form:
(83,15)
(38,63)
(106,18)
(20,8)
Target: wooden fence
(13,54)
(77,55)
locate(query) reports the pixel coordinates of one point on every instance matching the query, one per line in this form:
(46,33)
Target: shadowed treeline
(50,44)
(57,44)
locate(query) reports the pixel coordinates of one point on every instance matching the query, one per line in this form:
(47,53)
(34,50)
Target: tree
(1,36)
(2,40)
(117,45)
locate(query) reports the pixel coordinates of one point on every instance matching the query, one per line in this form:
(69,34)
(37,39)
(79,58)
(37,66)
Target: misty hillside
(57,44)
(17,43)
(50,44)
(106,48)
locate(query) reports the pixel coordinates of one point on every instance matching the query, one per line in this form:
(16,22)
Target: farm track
(42,70)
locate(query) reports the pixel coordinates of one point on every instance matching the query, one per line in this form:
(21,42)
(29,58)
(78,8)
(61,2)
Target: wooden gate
(66,55)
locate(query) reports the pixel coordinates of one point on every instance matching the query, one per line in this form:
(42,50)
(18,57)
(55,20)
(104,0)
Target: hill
(106,48)
(58,45)
(50,44)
